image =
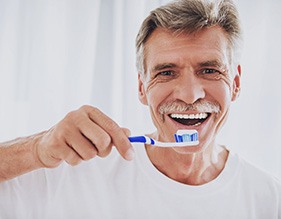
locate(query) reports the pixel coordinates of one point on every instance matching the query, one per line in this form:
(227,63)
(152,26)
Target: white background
(56,55)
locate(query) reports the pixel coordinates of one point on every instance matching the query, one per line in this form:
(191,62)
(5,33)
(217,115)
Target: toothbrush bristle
(186,136)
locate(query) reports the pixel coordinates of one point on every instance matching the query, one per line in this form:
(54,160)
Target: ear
(236,84)
(141,89)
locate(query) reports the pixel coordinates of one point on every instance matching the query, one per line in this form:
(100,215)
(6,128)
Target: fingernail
(130,154)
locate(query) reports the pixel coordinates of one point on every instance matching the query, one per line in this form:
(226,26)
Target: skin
(82,135)
(188,68)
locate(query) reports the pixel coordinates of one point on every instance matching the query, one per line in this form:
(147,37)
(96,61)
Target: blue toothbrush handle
(139,139)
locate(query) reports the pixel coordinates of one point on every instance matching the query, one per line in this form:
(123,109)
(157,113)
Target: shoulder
(257,177)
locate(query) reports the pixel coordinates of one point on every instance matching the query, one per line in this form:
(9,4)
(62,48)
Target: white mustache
(180,106)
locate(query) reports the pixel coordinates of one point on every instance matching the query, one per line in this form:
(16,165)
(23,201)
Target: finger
(126,131)
(97,136)
(66,153)
(118,136)
(82,146)
(72,157)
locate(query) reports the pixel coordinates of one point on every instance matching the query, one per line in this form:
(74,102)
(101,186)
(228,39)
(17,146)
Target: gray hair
(190,16)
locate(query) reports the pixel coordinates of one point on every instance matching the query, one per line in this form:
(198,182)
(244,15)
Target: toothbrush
(183,138)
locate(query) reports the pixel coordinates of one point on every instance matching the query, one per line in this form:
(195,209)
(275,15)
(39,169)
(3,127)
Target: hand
(82,135)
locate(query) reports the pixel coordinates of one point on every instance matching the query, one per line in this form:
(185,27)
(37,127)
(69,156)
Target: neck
(192,169)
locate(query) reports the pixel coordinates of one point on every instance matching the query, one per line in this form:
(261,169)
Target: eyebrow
(214,63)
(163,66)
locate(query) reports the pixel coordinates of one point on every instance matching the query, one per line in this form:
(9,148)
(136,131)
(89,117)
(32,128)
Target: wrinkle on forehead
(161,41)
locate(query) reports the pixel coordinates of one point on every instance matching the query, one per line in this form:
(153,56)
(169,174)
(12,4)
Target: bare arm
(18,157)
(81,135)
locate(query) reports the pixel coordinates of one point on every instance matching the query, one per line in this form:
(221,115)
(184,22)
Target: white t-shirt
(109,188)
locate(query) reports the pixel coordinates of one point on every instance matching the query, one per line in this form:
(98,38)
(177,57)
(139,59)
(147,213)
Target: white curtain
(56,55)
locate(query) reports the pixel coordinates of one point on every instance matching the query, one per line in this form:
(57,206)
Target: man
(189,73)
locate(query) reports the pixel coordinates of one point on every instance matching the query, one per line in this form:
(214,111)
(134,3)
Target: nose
(189,88)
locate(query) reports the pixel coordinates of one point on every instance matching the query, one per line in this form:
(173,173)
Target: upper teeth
(190,116)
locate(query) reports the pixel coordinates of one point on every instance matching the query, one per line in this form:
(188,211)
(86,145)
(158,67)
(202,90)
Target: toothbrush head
(185,135)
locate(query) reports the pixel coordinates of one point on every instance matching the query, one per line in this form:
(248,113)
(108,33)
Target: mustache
(180,106)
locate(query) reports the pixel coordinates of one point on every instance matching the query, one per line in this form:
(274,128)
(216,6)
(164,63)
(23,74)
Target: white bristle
(186,135)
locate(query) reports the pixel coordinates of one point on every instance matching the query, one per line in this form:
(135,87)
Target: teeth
(190,116)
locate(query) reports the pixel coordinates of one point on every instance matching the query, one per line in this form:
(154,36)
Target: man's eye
(165,73)
(210,74)
(209,71)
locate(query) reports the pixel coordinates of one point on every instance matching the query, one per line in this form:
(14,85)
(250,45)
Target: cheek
(221,93)
(157,93)
(223,96)
(228,82)
(223,89)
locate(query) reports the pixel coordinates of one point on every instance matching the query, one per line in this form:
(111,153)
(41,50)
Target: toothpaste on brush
(183,138)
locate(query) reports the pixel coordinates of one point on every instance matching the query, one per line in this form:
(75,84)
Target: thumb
(126,131)
(129,155)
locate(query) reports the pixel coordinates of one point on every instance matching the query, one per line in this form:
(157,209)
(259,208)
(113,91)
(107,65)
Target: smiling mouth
(190,119)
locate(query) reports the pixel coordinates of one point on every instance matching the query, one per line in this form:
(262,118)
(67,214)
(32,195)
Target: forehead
(164,46)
